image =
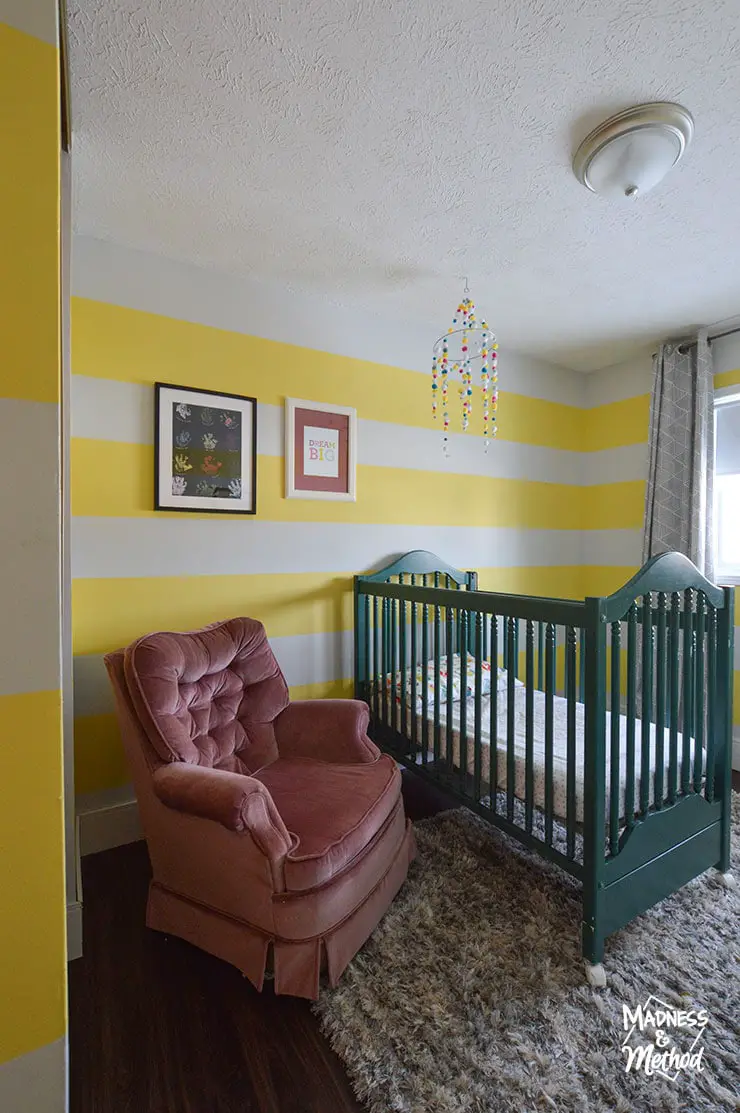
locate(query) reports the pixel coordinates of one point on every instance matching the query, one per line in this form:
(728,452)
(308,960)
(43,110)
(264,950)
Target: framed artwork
(205,451)
(320,451)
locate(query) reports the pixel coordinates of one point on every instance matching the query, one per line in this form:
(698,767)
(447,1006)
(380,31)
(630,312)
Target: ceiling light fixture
(631,152)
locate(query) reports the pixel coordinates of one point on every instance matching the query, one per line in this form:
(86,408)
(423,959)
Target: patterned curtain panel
(679,499)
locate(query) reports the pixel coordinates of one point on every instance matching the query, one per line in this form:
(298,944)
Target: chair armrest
(237,802)
(332,730)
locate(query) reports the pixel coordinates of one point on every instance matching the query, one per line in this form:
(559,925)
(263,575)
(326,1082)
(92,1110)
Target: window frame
(730,575)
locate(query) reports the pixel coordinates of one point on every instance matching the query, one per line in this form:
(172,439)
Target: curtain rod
(718,336)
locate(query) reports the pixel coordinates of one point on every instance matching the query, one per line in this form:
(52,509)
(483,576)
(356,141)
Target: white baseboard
(74,931)
(107,819)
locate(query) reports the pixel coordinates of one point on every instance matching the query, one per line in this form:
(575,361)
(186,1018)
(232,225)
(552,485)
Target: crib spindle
(615,740)
(699,690)
(463,729)
(414,663)
(478,707)
(394,696)
(493,721)
(570,773)
(385,611)
(449,636)
(404,679)
(688,701)
(541,656)
(425,681)
(437,742)
(660,702)
(378,678)
(629,788)
(674,696)
(529,729)
(550,681)
(367,671)
(646,713)
(711,702)
(511,627)
(582,666)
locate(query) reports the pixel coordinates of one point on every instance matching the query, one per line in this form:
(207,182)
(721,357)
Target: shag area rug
(470,997)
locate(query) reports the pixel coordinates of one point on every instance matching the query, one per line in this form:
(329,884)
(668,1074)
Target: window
(727,486)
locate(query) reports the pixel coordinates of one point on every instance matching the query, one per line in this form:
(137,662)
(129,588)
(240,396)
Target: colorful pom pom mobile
(467,343)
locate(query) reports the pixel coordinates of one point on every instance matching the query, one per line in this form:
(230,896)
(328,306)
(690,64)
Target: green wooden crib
(597,733)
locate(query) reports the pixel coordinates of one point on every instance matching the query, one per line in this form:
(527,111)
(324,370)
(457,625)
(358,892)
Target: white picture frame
(294,415)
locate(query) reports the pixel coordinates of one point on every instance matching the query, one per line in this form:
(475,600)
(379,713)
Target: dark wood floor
(157,1026)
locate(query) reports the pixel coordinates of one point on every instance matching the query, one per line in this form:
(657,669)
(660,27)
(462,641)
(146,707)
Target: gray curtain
(679,497)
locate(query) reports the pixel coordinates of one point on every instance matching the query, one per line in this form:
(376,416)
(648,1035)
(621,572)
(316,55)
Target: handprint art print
(206,451)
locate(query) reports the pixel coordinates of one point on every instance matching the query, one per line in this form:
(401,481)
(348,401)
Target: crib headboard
(420,564)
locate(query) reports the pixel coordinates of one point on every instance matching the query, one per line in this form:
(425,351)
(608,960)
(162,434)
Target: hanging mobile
(466,342)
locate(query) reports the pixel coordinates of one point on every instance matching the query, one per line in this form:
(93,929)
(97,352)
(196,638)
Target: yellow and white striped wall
(554,508)
(617,419)
(32,893)
(515,514)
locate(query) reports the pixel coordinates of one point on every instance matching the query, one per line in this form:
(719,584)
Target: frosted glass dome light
(631,152)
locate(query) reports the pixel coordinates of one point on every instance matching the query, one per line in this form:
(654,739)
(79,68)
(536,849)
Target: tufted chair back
(209,697)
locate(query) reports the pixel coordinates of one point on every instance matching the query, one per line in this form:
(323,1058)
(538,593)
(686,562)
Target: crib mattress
(560,743)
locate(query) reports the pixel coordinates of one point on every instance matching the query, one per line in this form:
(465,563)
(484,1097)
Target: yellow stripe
(100,761)
(616,424)
(328,689)
(109,614)
(32,926)
(601,580)
(726,378)
(552,582)
(29,201)
(116,480)
(613,505)
(125,344)
(99,758)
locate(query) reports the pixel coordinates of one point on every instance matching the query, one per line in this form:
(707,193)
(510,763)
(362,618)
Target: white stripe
(105,409)
(616,547)
(36,1082)
(109,410)
(34,17)
(614,465)
(121,547)
(29,550)
(304,659)
(624,380)
(140,280)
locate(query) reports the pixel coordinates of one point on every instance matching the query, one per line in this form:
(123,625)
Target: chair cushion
(209,697)
(334,812)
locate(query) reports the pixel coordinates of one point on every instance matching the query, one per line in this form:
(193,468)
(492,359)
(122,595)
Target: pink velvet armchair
(271,825)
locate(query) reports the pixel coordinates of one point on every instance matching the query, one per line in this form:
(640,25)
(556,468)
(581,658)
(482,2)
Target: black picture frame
(166,399)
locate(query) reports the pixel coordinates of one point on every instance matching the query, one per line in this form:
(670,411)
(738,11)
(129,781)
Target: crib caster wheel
(728,880)
(595,974)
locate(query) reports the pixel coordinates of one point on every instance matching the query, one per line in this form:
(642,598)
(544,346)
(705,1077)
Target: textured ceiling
(378,150)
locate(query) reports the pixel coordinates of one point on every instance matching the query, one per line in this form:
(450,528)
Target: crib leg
(593,954)
(595,974)
(727,878)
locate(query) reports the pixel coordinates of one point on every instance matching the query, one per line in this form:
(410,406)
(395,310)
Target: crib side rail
(496,741)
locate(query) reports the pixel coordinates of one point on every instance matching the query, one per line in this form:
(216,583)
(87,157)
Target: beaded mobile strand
(467,340)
